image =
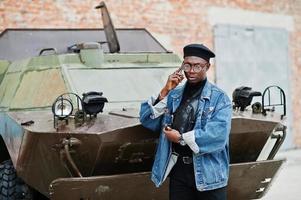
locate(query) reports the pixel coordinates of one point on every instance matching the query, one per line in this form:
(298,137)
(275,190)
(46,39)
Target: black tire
(11,186)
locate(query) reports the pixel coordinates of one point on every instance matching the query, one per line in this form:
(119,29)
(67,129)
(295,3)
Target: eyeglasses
(196,67)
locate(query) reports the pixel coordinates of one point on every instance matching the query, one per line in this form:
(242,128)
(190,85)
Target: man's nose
(191,70)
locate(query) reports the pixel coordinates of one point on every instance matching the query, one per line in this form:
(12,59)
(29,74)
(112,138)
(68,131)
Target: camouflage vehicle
(56,144)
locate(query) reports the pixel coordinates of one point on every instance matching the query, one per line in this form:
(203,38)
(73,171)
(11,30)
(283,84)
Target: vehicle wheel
(11,186)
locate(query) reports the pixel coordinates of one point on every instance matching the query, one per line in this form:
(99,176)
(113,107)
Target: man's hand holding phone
(173,81)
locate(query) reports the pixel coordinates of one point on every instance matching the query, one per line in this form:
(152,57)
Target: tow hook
(66,147)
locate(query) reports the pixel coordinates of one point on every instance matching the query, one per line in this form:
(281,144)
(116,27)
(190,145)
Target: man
(195,121)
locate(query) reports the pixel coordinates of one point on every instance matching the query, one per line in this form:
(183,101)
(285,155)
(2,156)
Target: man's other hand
(172,134)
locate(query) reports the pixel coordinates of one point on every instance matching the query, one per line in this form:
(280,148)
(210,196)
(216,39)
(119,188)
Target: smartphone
(180,70)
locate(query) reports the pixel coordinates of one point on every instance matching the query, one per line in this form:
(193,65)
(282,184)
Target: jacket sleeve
(215,135)
(151,115)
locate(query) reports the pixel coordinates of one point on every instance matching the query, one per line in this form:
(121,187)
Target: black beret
(198,50)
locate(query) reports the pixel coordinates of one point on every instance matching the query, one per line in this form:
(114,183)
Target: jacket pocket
(206,115)
(209,174)
(207,112)
(213,172)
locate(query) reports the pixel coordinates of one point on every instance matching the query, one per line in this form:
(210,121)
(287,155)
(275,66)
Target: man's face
(194,62)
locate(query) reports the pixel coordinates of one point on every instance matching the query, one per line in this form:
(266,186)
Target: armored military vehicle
(69,124)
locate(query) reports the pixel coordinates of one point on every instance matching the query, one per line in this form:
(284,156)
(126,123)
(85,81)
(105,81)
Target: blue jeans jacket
(209,140)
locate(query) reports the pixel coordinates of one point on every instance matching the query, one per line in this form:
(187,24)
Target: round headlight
(62,108)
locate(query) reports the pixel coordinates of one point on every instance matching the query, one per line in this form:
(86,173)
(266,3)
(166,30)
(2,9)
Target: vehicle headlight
(62,108)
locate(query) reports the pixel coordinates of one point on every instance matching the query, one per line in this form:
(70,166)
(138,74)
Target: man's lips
(191,77)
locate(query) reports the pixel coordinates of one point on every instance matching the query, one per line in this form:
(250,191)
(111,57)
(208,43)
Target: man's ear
(208,66)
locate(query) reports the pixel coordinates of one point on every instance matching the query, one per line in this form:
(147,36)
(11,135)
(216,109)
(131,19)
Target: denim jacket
(209,140)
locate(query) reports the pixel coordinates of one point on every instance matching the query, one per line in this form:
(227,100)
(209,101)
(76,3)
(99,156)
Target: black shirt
(191,91)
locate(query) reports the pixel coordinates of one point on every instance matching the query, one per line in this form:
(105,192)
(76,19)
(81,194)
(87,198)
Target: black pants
(182,185)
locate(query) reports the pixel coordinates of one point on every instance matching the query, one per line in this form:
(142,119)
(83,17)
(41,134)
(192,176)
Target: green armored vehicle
(55,142)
